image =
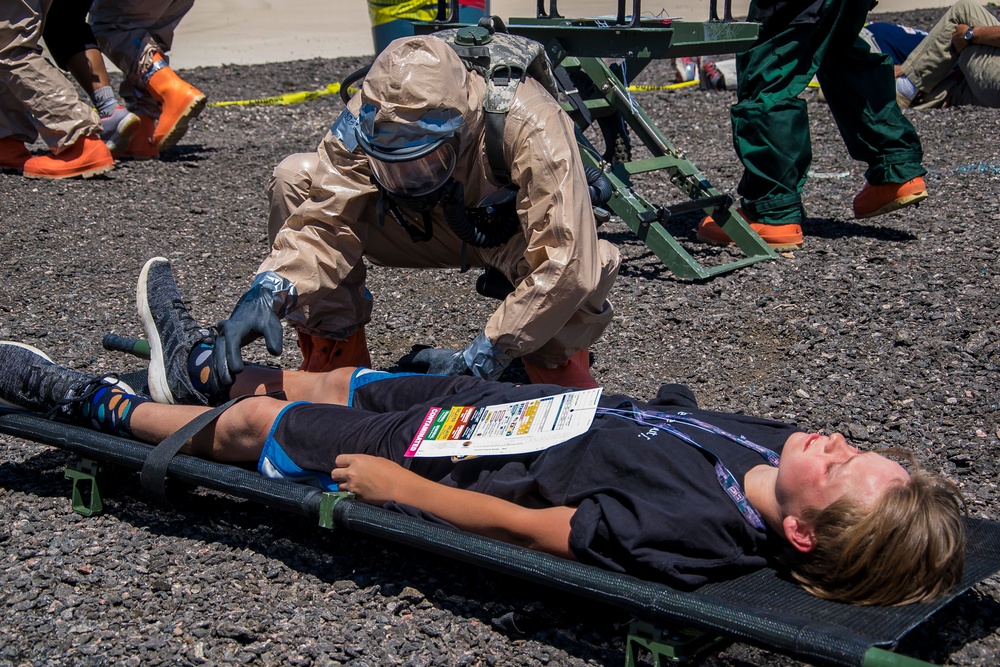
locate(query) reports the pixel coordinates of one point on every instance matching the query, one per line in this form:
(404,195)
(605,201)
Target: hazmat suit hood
(416,91)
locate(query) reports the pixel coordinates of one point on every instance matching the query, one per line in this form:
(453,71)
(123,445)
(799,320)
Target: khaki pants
(32,87)
(931,63)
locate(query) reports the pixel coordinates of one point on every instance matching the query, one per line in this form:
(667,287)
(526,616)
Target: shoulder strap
(503,60)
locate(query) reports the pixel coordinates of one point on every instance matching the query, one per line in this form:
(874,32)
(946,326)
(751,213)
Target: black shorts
(385,412)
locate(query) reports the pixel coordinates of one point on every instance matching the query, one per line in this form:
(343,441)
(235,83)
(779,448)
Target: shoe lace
(79,393)
(191,326)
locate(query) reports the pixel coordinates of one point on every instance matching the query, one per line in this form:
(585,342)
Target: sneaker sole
(159,389)
(121,384)
(179,129)
(125,130)
(895,205)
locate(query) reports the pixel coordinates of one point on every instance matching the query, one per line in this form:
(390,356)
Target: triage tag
(511,428)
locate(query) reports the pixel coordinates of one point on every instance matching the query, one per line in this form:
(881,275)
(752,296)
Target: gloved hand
(257,313)
(481,358)
(433,360)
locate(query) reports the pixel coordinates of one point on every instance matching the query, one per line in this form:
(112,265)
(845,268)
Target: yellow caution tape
(334,88)
(288,98)
(669,86)
(384,11)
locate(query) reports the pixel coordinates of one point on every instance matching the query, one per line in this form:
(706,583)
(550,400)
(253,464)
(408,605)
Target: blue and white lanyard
(665,421)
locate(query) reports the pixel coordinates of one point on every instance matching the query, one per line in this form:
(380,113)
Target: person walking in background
(136,36)
(36,99)
(771,122)
(69,39)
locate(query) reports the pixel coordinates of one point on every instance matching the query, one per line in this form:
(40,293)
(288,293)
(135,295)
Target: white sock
(906,88)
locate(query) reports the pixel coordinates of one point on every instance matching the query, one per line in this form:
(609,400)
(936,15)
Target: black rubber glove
(257,313)
(434,360)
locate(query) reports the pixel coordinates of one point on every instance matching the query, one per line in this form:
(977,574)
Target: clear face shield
(413,172)
(411,160)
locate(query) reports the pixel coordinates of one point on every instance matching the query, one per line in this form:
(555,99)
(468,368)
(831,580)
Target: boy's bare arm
(377,481)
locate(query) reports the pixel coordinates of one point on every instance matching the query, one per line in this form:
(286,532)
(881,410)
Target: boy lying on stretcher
(664,490)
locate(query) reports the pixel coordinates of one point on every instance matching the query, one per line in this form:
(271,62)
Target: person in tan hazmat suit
(397,180)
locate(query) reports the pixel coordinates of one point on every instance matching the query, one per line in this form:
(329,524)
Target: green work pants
(771,124)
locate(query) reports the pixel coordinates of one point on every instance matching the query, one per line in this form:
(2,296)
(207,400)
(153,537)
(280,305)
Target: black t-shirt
(647,502)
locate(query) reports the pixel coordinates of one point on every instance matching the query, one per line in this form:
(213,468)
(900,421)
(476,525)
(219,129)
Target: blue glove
(481,358)
(257,313)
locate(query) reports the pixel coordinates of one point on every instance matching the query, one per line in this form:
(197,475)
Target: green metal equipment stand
(596,93)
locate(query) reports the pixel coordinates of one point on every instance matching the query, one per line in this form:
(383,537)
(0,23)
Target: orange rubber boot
(325,354)
(88,157)
(779,237)
(13,154)
(574,373)
(140,144)
(179,103)
(880,199)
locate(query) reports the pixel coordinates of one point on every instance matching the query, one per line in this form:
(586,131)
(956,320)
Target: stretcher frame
(761,608)
(596,93)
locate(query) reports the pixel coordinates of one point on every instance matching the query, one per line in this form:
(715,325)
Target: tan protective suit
(130,33)
(561,270)
(32,87)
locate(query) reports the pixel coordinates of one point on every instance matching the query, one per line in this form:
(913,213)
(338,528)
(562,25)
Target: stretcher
(762,609)
(597,96)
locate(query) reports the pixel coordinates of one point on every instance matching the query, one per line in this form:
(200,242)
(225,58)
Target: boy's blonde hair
(909,548)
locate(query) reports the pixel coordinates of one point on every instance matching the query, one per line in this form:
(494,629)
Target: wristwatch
(969,34)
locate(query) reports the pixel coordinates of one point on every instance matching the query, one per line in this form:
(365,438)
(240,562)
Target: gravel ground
(885,330)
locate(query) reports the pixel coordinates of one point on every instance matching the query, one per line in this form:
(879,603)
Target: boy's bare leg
(87,67)
(330,387)
(236,436)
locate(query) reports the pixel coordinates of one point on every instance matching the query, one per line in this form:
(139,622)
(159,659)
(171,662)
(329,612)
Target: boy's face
(817,470)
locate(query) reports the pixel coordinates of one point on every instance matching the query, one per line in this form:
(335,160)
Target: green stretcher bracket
(328,503)
(878,657)
(86,492)
(668,647)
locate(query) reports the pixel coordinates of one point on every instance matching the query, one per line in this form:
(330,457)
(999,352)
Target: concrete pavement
(247,32)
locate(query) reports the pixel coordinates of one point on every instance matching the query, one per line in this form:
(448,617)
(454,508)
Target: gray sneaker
(172,334)
(29,380)
(117,129)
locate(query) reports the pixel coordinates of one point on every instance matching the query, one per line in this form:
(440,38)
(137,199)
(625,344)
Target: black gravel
(886,330)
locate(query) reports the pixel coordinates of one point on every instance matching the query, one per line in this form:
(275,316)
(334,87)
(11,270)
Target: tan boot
(574,373)
(179,103)
(88,157)
(13,154)
(320,355)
